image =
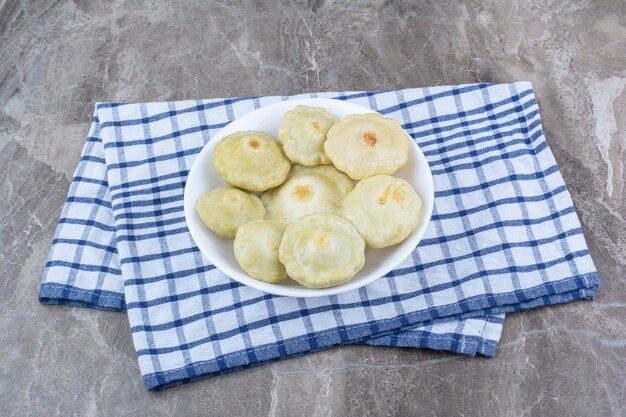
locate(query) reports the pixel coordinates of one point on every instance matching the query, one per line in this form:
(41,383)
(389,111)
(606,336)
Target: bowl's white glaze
(378,262)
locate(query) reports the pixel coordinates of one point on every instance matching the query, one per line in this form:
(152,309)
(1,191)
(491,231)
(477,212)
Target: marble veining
(58,58)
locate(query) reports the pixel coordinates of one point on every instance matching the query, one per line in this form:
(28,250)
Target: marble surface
(59,57)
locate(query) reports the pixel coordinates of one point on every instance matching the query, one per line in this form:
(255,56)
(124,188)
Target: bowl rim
(394,259)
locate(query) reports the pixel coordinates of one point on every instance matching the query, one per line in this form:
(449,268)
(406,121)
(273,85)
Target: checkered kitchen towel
(504,236)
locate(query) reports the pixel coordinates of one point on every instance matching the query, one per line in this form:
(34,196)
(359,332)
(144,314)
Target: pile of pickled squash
(294,206)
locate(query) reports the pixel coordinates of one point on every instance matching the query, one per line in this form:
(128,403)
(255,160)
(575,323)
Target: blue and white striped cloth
(503,237)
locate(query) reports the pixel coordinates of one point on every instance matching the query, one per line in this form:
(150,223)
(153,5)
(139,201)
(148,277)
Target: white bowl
(378,262)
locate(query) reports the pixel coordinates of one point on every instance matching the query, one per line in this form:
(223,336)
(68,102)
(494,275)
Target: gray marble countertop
(59,57)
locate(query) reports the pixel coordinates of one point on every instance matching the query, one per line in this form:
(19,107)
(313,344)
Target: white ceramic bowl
(203,177)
